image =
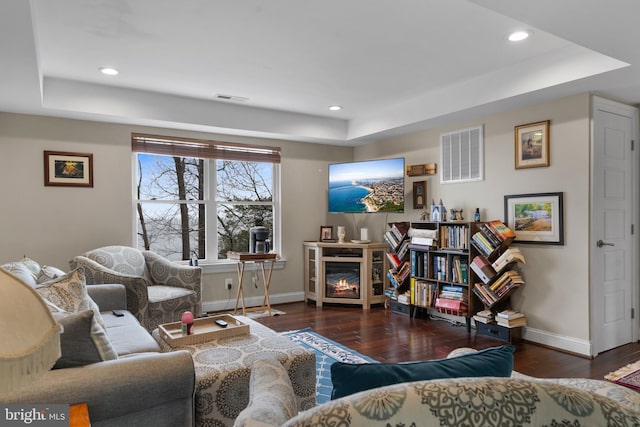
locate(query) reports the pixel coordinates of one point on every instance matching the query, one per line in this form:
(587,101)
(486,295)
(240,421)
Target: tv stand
(325,262)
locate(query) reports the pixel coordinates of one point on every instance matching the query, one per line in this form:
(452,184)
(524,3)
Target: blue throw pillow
(351,378)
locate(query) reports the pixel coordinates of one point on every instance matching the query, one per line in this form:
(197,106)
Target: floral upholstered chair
(158,290)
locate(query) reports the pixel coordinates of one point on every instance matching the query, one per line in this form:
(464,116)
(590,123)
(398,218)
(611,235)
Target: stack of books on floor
(484,316)
(511,319)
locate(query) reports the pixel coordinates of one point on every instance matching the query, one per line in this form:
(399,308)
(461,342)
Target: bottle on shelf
(476,216)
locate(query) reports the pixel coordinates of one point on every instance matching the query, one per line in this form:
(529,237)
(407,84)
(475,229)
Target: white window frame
(211,202)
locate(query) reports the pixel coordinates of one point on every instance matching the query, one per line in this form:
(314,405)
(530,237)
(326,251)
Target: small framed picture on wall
(419,194)
(532,145)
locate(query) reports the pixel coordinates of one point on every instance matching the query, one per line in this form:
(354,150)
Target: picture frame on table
(535,218)
(68,169)
(326,233)
(531,144)
(419,194)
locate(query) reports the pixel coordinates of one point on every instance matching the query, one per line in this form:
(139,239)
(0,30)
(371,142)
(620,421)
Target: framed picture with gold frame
(66,169)
(531,143)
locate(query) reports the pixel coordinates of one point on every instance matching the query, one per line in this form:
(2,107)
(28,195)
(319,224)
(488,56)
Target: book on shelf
(391,240)
(422,241)
(403,249)
(509,314)
(399,230)
(404,298)
(500,230)
(489,235)
(394,260)
(513,323)
(483,319)
(459,271)
(510,255)
(482,268)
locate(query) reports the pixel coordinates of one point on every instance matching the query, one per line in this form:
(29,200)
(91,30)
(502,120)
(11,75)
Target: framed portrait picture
(66,169)
(419,194)
(535,218)
(532,145)
(326,233)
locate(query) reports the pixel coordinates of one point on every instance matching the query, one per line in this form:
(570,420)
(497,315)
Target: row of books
(510,319)
(453,236)
(509,256)
(490,236)
(396,235)
(487,271)
(397,277)
(423,293)
(506,283)
(507,318)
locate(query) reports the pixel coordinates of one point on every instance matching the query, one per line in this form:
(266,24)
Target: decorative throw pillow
(69,292)
(352,378)
(83,341)
(48,273)
(271,397)
(21,271)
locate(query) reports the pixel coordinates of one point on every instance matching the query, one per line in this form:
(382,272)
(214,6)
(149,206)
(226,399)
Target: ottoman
(223,368)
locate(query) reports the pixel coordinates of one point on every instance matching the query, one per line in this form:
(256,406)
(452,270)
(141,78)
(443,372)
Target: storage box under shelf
(398,307)
(496,331)
(205,329)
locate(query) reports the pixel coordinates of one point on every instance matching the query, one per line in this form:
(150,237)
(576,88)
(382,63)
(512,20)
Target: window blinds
(204,149)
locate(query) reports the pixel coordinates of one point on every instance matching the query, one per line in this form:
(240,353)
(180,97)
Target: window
(199,199)
(462,155)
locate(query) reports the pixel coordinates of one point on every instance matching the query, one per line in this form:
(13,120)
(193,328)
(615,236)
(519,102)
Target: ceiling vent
(233,98)
(462,155)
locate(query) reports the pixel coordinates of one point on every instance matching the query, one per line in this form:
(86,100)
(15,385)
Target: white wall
(53,224)
(556,295)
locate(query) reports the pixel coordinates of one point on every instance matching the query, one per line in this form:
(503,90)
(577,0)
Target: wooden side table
(261,259)
(79,415)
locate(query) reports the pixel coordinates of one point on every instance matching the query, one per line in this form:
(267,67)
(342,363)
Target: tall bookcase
(462,267)
(440,274)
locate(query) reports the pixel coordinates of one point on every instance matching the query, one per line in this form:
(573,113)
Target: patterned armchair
(158,290)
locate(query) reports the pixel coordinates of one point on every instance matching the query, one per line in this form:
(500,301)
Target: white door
(613,259)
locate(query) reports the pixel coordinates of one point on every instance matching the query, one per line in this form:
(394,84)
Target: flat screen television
(367,187)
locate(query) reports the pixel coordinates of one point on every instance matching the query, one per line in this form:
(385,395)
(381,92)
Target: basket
(205,329)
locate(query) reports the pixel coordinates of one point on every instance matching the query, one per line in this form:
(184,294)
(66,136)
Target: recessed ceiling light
(109,71)
(517,36)
(335,108)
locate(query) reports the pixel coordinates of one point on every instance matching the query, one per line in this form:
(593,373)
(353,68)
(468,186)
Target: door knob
(601,243)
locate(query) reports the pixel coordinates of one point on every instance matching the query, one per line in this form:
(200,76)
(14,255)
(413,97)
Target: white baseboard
(252,301)
(562,342)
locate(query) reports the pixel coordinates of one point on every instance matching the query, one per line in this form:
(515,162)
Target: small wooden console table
(242,258)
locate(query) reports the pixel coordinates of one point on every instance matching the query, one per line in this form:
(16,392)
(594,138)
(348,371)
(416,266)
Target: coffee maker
(259,240)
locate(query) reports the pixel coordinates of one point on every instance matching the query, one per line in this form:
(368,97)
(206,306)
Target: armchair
(158,290)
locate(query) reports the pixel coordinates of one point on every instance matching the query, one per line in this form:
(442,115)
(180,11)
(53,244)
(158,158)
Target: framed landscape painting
(532,145)
(535,218)
(66,169)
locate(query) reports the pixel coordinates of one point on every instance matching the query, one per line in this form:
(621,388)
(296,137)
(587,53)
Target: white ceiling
(394,66)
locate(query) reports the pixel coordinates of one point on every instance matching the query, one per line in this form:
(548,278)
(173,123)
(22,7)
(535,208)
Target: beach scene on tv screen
(367,187)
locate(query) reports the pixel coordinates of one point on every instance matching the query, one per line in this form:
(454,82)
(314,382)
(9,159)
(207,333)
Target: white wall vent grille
(462,155)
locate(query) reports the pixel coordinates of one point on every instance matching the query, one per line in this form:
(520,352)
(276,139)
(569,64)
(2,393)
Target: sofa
(135,385)
(512,400)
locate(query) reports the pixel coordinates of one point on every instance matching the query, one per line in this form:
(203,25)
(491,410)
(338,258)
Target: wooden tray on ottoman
(204,329)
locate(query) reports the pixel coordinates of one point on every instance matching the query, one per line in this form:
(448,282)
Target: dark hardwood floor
(391,337)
